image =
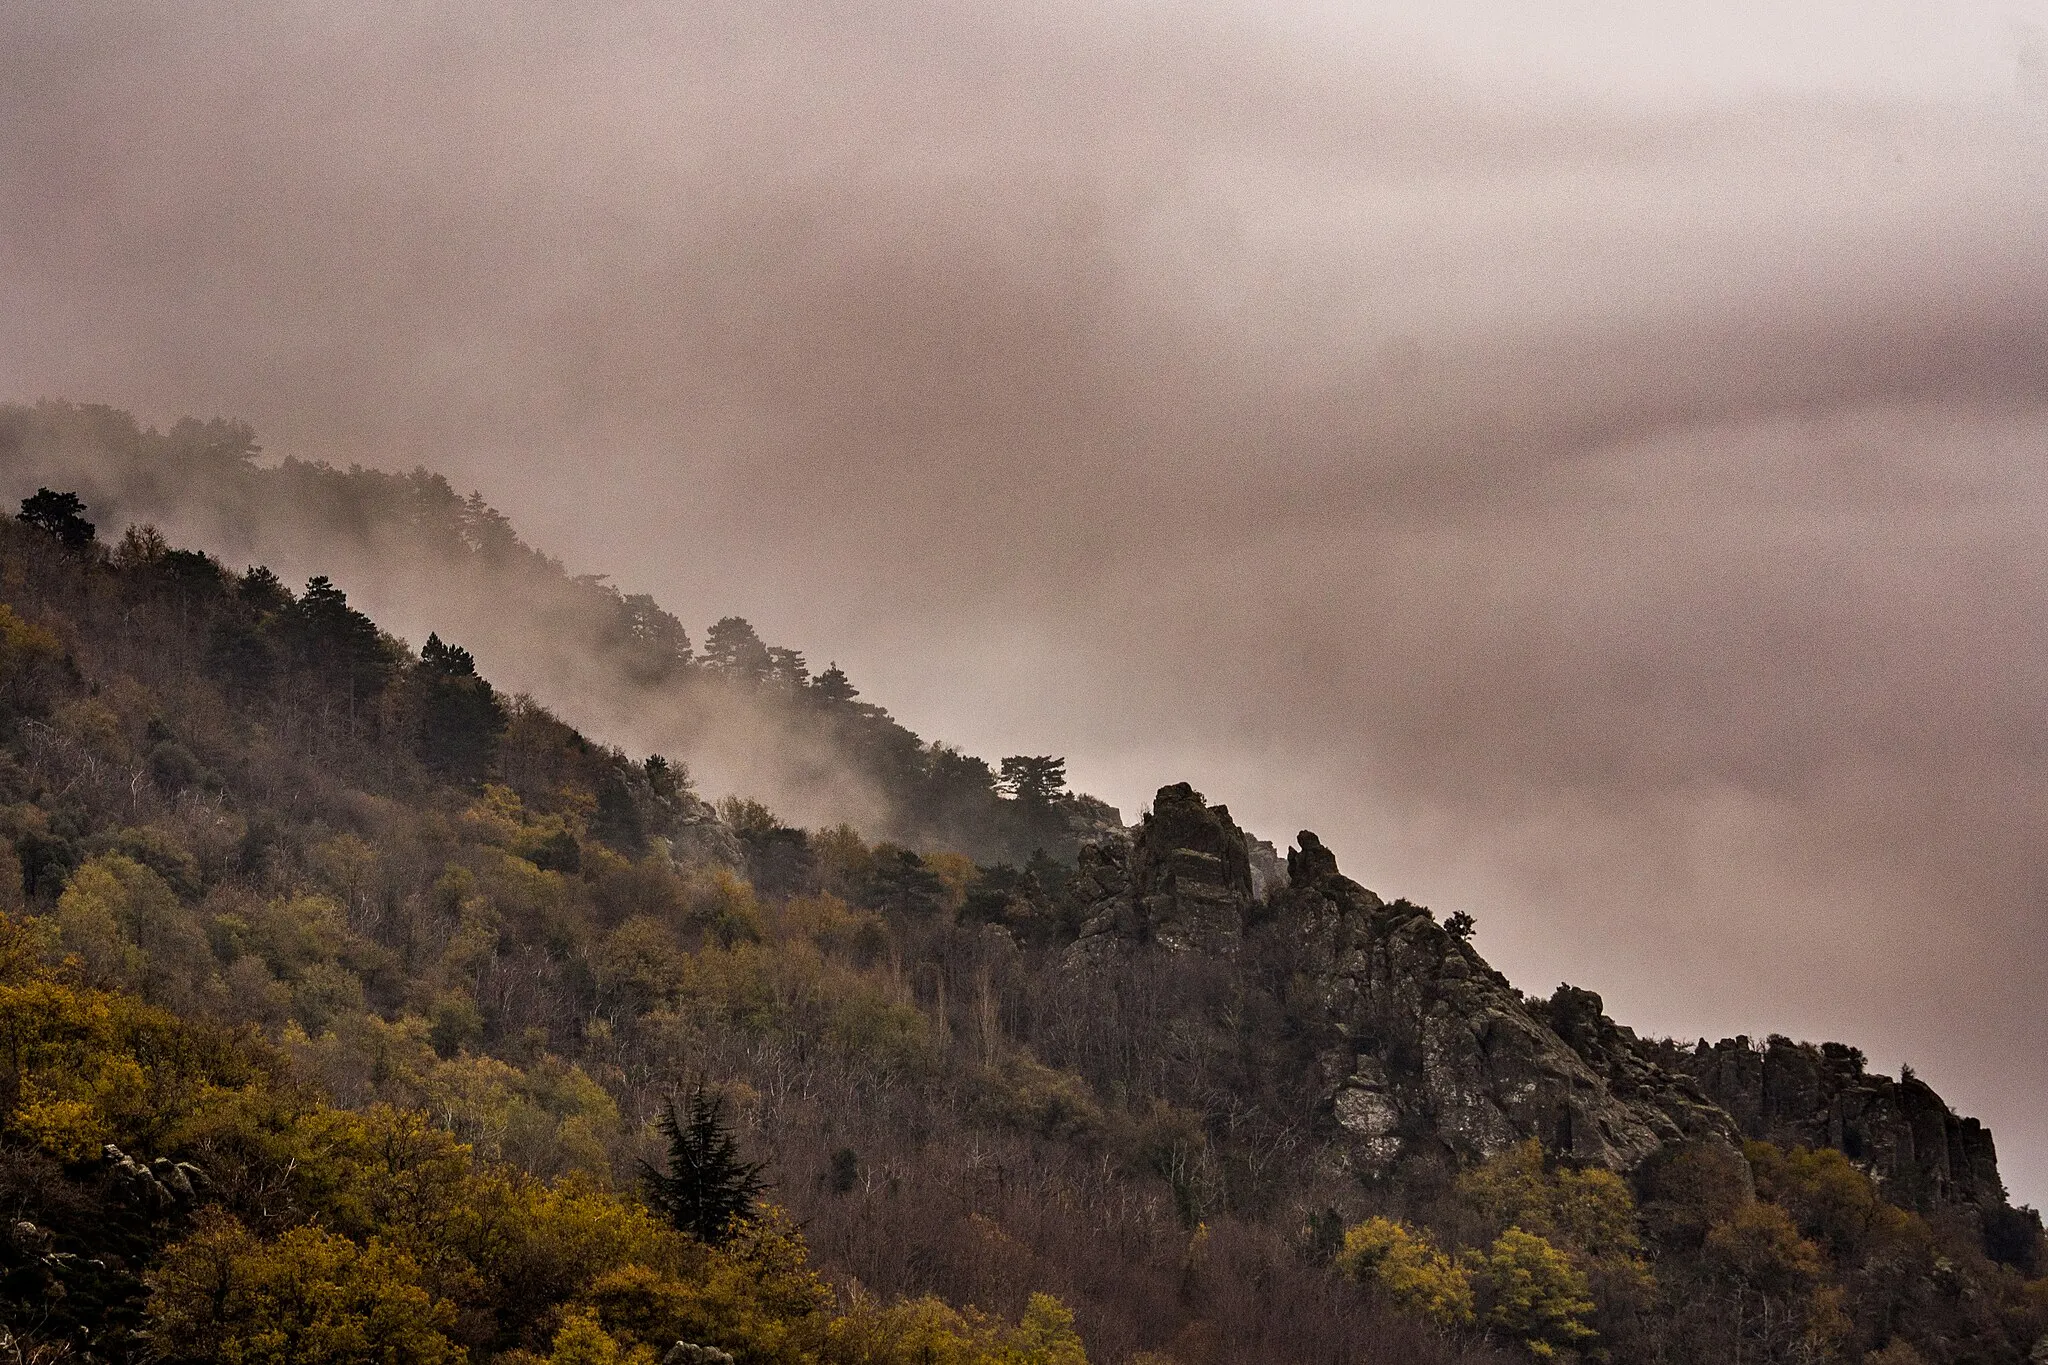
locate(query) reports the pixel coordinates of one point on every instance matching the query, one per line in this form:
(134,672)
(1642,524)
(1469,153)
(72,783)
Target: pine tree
(707,1187)
(61,515)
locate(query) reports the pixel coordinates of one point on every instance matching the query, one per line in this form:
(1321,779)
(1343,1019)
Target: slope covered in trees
(355,1010)
(757,716)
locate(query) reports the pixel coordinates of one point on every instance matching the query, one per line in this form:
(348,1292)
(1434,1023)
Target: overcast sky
(1583,459)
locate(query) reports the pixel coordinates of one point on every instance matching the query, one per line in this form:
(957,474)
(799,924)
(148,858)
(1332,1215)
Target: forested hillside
(355,1010)
(760,715)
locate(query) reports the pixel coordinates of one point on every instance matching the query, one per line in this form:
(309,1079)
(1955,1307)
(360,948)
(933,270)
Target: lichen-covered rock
(1191,873)
(1923,1155)
(689,1353)
(699,841)
(1097,898)
(158,1184)
(1089,819)
(1635,1071)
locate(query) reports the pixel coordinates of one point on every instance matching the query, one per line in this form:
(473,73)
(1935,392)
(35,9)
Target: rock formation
(1433,1054)
(1796,1094)
(1182,882)
(1428,1054)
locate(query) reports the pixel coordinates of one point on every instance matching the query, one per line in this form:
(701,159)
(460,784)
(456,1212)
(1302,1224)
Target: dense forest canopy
(352,1009)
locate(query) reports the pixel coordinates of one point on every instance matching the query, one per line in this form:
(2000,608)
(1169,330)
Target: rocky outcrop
(1269,871)
(1088,819)
(1191,873)
(1636,1071)
(1183,881)
(158,1184)
(1428,1054)
(689,1353)
(1922,1153)
(1432,1053)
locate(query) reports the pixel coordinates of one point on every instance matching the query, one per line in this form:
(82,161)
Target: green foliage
(926,1331)
(1761,1249)
(31,657)
(1777,1284)
(1590,1213)
(1827,1199)
(458,718)
(61,515)
(1037,781)
(400,1244)
(1022,1092)
(1689,1189)
(430,956)
(582,1340)
(490,585)
(734,650)
(335,651)
(309,1297)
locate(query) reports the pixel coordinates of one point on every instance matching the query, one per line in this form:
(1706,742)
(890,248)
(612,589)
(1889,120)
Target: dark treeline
(738,702)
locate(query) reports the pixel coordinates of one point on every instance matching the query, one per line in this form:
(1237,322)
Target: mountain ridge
(1226,1104)
(1426,1030)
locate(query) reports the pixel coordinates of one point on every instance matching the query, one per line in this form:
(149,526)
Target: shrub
(1405,1267)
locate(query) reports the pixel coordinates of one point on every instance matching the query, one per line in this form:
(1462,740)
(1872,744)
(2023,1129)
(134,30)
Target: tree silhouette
(707,1187)
(458,715)
(1034,780)
(832,686)
(61,515)
(732,648)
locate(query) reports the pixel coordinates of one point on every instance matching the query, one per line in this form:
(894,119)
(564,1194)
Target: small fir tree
(707,1188)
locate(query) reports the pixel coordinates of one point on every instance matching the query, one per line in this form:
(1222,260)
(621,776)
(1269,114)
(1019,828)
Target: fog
(1581,459)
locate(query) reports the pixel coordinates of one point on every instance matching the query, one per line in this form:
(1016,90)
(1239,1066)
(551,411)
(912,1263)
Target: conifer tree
(707,1188)
(61,515)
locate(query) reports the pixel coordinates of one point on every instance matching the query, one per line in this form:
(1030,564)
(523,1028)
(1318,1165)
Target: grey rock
(1434,1055)
(1183,881)
(1921,1152)
(687,1353)
(706,841)
(1428,1054)
(1269,873)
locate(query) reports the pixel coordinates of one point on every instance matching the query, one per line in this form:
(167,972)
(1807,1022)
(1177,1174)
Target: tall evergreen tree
(1034,780)
(458,717)
(733,648)
(833,686)
(707,1187)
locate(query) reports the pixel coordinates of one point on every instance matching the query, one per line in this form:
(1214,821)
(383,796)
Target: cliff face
(1425,1053)
(1796,1094)
(1435,1054)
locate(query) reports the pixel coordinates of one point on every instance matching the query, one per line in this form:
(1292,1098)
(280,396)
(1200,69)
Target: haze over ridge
(1586,469)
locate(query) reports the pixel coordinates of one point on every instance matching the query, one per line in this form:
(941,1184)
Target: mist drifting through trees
(575,552)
